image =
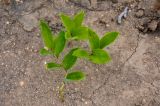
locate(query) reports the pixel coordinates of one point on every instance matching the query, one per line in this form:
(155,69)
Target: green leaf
(81,53)
(93,39)
(67,22)
(59,43)
(44,52)
(78,18)
(46,35)
(107,39)
(52,65)
(99,56)
(74,27)
(69,60)
(67,35)
(80,33)
(75,76)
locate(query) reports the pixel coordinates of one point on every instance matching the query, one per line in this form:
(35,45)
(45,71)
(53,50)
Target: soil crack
(135,50)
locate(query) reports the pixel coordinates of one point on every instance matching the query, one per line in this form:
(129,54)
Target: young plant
(74,29)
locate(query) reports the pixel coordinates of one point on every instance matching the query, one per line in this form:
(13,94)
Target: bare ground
(131,79)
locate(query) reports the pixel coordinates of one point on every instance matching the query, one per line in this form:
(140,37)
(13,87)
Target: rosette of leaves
(54,45)
(74,27)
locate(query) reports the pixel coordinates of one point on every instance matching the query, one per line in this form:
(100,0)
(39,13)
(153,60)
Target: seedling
(74,30)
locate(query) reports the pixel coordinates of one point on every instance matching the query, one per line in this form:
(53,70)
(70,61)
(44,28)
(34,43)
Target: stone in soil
(29,22)
(153,25)
(139,13)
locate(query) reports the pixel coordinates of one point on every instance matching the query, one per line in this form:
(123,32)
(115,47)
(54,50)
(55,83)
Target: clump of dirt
(148,22)
(148,17)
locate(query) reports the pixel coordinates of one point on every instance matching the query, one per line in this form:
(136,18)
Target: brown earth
(132,78)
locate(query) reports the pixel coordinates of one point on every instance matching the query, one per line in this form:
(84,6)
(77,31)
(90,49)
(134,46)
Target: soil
(132,78)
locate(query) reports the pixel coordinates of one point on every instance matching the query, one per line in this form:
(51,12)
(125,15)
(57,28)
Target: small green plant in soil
(74,29)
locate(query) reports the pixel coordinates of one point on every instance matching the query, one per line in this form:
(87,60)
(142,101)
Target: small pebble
(27,48)
(86,102)
(82,99)
(92,78)
(156,37)
(7,22)
(129,10)
(139,13)
(21,83)
(76,89)
(20,1)
(144,101)
(107,25)
(153,25)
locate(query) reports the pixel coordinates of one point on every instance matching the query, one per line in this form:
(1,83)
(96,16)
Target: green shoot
(74,29)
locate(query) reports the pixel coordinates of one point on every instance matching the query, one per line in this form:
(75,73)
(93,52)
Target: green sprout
(74,30)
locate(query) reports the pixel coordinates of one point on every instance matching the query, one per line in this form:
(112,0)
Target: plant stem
(61,91)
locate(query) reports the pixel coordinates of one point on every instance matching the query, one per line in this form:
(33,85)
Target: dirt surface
(131,79)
